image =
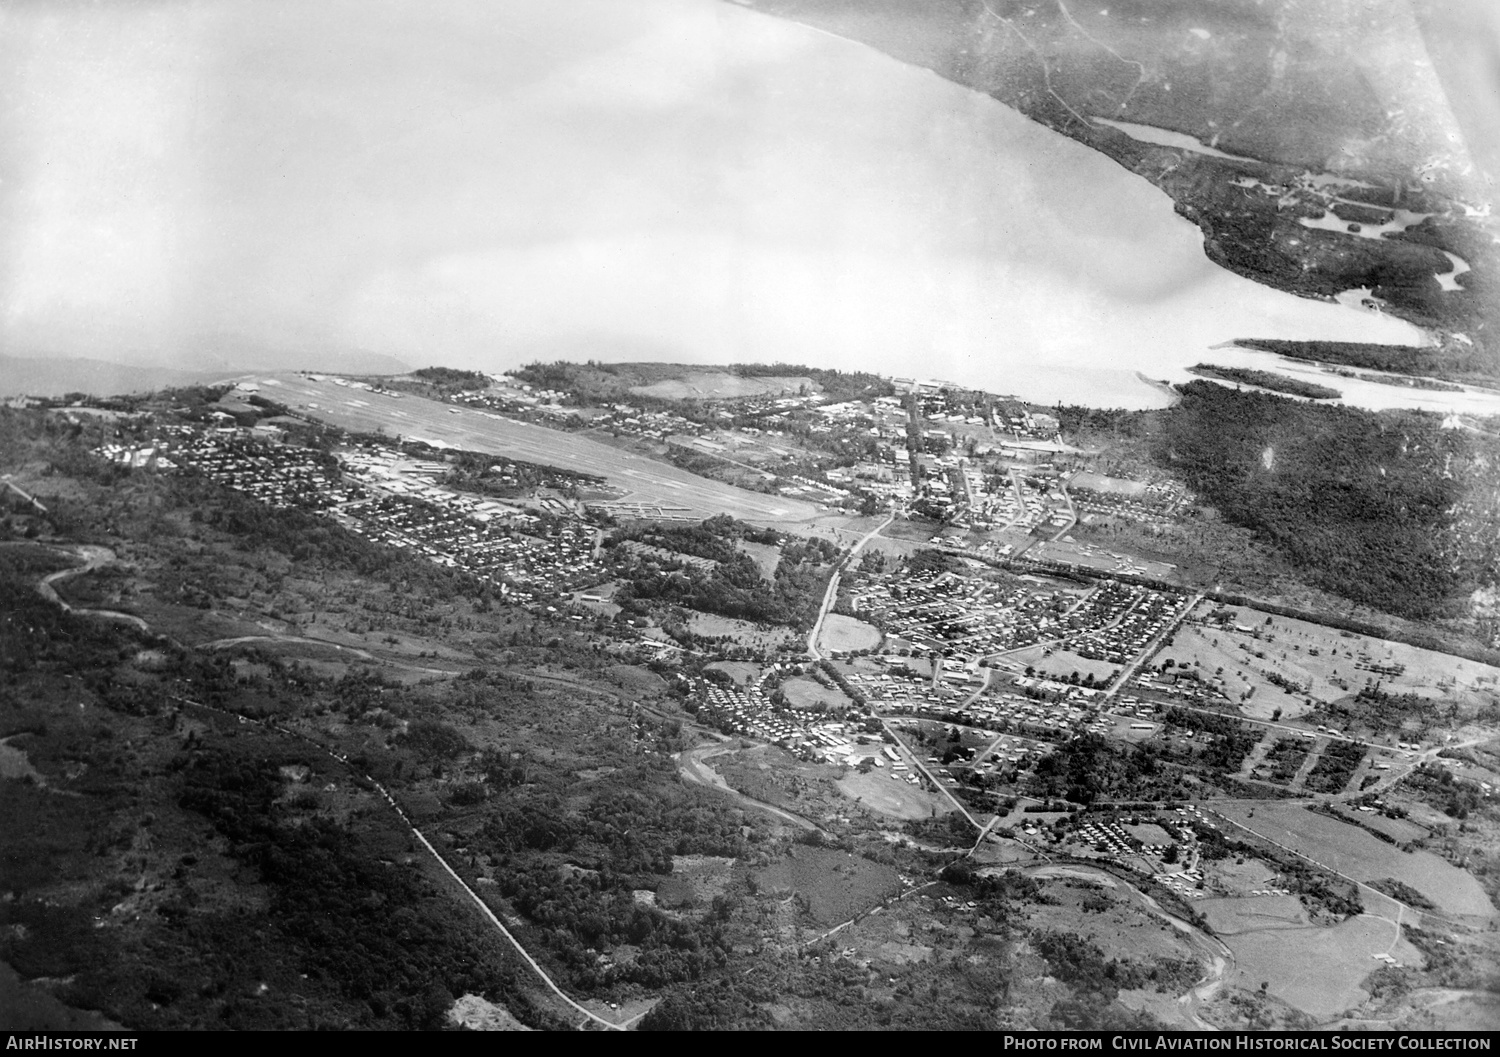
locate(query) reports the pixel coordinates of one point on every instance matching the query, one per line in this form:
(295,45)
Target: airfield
(650,488)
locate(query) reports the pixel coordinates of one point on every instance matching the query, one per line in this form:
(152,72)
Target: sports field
(656,487)
(845,633)
(1095,482)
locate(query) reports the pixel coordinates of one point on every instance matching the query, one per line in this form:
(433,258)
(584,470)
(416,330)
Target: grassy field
(807,693)
(645,481)
(845,633)
(892,797)
(1215,652)
(766,557)
(1290,643)
(1353,852)
(719,385)
(1095,482)
(744,632)
(742,672)
(1316,970)
(1238,876)
(1062,663)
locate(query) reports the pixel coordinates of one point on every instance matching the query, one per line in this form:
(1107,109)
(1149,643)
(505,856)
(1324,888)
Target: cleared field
(1352,851)
(766,557)
(718,385)
(1234,916)
(1398,829)
(891,797)
(1097,482)
(1062,663)
(835,884)
(744,632)
(805,693)
(695,880)
(1333,660)
(1230,875)
(14,764)
(1215,652)
(742,672)
(646,483)
(845,633)
(1149,833)
(1316,970)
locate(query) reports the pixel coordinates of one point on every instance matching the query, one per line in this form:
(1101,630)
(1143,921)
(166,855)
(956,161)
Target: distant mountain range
(57,376)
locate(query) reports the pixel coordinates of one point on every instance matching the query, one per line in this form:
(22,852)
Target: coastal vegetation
(1278,383)
(1452,362)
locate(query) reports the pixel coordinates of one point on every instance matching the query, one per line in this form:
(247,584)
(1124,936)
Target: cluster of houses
(1145,615)
(281,476)
(1158,504)
(527,556)
(934,612)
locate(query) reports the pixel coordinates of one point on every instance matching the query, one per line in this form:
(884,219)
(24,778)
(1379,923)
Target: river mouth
(680,180)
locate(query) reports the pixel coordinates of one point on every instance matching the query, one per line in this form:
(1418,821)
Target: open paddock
(1216,654)
(1238,876)
(1355,853)
(1334,660)
(766,557)
(1316,970)
(1398,829)
(646,483)
(1149,833)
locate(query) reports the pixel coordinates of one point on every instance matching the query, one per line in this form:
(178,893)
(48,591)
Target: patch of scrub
(479,1014)
(15,764)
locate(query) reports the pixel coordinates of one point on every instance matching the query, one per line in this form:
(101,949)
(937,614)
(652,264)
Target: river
(858,213)
(680,180)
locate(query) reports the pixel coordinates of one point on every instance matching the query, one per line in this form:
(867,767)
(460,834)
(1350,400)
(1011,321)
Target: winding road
(91,558)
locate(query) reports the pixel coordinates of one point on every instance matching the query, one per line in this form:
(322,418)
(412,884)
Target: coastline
(1161,385)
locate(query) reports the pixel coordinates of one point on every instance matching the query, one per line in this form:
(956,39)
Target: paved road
(1150,649)
(833,587)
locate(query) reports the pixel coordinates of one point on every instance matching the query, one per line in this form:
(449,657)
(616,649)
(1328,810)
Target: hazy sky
(482,183)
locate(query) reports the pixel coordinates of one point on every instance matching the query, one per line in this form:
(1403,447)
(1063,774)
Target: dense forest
(1449,361)
(726,580)
(1361,502)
